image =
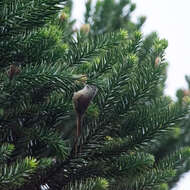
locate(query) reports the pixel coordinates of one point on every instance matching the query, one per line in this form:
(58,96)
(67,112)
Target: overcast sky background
(171,20)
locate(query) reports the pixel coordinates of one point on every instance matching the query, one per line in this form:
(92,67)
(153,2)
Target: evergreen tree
(179,137)
(111,15)
(119,14)
(42,64)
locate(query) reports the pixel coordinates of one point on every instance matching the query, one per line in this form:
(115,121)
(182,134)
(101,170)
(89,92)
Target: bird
(81,100)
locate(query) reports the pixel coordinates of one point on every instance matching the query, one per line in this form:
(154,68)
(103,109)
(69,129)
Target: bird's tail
(79,124)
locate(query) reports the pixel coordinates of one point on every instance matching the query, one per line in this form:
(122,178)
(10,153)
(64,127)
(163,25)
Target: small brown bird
(81,100)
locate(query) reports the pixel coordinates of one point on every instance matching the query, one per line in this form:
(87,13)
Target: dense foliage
(43,62)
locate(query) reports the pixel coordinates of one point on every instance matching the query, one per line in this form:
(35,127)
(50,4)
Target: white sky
(171,19)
